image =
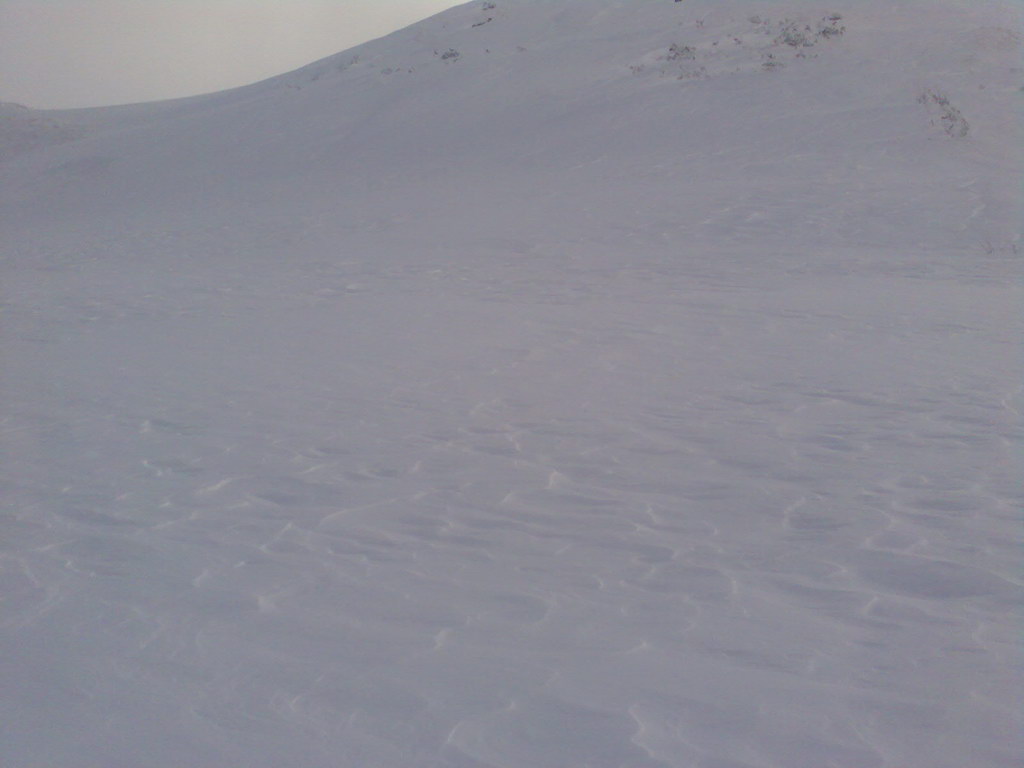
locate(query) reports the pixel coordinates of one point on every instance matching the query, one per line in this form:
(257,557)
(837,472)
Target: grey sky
(78,53)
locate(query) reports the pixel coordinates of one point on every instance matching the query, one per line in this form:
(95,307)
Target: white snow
(633,388)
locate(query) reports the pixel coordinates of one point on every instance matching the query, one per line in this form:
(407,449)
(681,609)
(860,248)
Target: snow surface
(555,384)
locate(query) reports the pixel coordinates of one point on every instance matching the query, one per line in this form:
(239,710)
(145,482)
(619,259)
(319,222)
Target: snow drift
(549,383)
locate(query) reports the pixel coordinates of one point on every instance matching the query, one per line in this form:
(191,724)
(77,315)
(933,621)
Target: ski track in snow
(599,494)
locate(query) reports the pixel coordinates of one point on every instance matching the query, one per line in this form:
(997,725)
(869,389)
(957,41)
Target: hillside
(551,383)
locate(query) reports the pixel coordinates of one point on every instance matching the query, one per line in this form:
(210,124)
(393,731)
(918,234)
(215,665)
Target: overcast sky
(82,53)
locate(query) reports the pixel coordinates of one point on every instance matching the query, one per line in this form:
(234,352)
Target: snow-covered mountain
(551,383)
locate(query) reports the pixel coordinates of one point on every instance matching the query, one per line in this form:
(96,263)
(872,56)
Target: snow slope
(554,384)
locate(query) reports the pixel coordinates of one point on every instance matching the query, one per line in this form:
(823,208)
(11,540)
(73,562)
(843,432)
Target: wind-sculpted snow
(535,414)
